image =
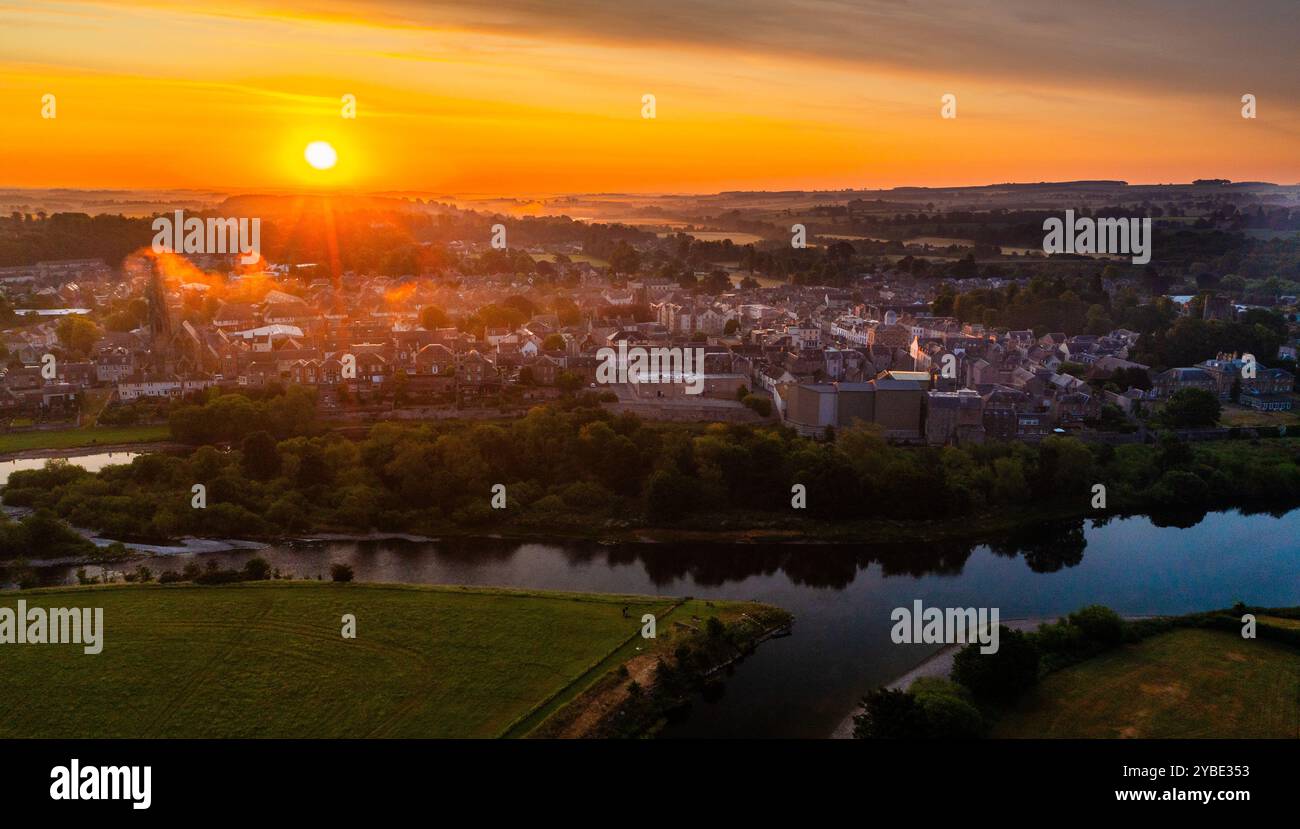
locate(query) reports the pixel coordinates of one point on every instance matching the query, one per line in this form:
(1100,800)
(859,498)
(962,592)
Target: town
(491,333)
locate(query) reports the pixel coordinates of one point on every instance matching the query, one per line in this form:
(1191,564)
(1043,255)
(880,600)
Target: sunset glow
(452,98)
(321,155)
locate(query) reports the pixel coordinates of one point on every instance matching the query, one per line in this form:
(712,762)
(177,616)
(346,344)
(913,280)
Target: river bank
(804,685)
(968,531)
(938,665)
(88,449)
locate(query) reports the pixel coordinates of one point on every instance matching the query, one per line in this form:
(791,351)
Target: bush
(215,575)
(257,569)
(758,403)
(670,495)
(1100,625)
(340,571)
(1000,676)
(947,710)
(586,496)
(889,715)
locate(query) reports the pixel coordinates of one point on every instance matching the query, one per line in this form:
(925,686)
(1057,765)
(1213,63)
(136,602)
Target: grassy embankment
(77,438)
(1188,683)
(267,659)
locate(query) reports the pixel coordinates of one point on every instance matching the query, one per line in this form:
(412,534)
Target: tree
(946,709)
(257,569)
(1001,676)
(717,282)
(260,459)
(1099,624)
(568,382)
(889,714)
(77,335)
(670,495)
(432,317)
(624,259)
(1191,409)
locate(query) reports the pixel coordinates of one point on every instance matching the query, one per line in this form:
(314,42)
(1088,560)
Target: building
(954,417)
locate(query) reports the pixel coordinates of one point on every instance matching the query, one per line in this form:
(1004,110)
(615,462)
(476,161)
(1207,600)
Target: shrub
(758,403)
(340,571)
(947,709)
(889,714)
(587,495)
(1099,625)
(1000,676)
(257,569)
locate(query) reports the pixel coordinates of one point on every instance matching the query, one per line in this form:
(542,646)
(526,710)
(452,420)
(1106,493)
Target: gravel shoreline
(939,664)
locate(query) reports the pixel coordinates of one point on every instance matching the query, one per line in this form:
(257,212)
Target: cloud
(1184,47)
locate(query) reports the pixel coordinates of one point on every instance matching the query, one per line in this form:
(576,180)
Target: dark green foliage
(758,403)
(572,467)
(41,535)
(260,460)
(890,715)
(1191,409)
(1000,676)
(257,569)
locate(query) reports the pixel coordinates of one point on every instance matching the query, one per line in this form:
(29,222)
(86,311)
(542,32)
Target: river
(90,459)
(806,684)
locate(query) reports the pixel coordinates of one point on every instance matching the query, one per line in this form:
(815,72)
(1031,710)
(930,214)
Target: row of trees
(574,467)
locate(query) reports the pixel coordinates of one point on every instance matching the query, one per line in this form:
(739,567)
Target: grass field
(1234,415)
(76,438)
(267,659)
(1190,683)
(573,257)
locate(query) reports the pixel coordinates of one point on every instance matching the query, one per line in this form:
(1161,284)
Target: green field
(266,659)
(1190,683)
(573,257)
(1234,415)
(74,438)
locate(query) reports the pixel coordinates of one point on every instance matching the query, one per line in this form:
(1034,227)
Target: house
(114,365)
(954,417)
(1166,383)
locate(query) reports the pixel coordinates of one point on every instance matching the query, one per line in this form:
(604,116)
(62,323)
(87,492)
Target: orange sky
(518,97)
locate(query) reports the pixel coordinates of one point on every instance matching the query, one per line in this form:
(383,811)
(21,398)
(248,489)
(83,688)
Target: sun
(321,155)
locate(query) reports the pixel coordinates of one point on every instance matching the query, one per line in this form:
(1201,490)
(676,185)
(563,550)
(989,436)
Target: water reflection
(842,595)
